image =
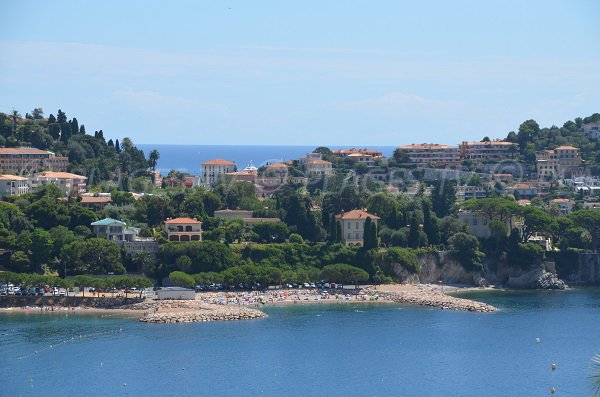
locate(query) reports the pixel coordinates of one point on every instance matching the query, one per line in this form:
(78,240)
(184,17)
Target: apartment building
(212,169)
(25,161)
(562,162)
(430,153)
(13,185)
(490,150)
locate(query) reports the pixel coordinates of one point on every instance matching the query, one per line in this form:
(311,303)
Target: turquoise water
(306,350)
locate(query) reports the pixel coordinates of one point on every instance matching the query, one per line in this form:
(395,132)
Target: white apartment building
(564,161)
(68,183)
(13,185)
(212,169)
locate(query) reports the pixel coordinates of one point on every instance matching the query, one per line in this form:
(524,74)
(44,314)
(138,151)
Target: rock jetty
(182,311)
(419,295)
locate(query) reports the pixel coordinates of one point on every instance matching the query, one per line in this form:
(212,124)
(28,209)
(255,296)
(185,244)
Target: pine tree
(414,235)
(430,224)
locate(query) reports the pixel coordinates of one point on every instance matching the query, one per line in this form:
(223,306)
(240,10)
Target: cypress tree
(413,235)
(367,240)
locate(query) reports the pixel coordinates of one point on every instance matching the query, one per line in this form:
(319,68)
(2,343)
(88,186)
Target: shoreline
(226,306)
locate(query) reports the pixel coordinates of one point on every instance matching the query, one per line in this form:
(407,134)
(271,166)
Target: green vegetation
(45,232)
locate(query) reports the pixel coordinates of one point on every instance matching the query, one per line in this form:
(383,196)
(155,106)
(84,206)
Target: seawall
(66,301)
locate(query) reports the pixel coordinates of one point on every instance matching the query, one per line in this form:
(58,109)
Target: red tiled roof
(277,165)
(59,175)
(426,146)
(317,161)
(356,214)
(218,162)
(182,220)
(7,177)
(566,148)
(560,200)
(23,150)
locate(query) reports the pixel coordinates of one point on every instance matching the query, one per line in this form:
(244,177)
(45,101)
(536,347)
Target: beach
(244,305)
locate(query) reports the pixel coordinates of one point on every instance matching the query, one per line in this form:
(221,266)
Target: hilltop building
(490,150)
(25,161)
(562,162)
(430,153)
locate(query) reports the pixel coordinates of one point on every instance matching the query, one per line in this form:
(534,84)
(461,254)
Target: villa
(67,183)
(183,229)
(13,185)
(353,226)
(212,169)
(127,237)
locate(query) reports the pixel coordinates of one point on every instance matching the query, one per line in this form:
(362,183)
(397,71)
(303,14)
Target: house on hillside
(13,185)
(212,169)
(353,226)
(183,229)
(127,237)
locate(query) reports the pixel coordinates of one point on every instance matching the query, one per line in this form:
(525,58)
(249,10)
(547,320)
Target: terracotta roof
(566,148)
(560,200)
(7,177)
(95,200)
(218,162)
(182,220)
(522,186)
(22,150)
(359,155)
(428,146)
(475,143)
(59,175)
(356,214)
(277,165)
(524,202)
(317,161)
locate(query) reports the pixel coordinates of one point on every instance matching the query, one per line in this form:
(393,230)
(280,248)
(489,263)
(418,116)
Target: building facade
(26,161)
(353,226)
(592,130)
(13,185)
(183,229)
(562,162)
(69,184)
(127,237)
(430,153)
(212,169)
(479,223)
(490,150)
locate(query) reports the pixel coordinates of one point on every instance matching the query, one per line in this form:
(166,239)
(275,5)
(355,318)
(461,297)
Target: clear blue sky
(303,72)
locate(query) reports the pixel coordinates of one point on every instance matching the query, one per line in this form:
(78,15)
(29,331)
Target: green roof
(107,221)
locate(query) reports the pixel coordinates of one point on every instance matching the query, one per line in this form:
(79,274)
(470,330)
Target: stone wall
(66,301)
(589,268)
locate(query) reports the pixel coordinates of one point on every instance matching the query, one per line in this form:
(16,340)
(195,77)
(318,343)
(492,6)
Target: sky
(354,73)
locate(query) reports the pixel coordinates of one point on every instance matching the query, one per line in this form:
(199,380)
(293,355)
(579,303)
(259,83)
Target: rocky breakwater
(192,311)
(428,296)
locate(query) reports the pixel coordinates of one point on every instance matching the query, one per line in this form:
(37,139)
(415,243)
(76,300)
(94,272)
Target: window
(356,225)
(474,222)
(357,236)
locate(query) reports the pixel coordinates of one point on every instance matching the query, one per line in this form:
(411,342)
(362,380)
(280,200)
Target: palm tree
(153,159)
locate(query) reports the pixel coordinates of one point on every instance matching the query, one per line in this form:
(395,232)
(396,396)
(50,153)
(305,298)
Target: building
(183,229)
(464,192)
(95,202)
(274,175)
(375,154)
(362,158)
(479,223)
(318,168)
(562,162)
(564,205)
(592,130)
(233,214)
(353,225)
(250,222)
(13,185)
(127,237)
(585,185)
(430,153)
(66,182)
(522,191)
(175,293)
(25,161)
(490,150)
(314,165)
(212,169)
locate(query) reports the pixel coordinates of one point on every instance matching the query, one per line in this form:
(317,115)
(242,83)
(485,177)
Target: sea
(187,158)
(314,350)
